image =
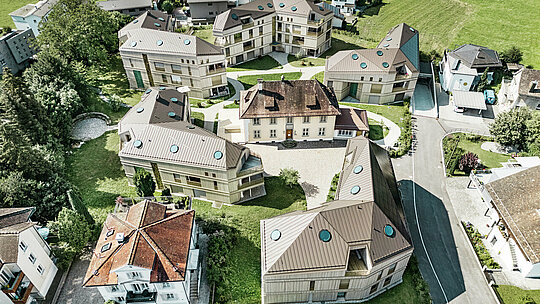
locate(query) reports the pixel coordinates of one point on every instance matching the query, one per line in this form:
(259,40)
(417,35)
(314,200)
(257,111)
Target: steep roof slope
(475,56)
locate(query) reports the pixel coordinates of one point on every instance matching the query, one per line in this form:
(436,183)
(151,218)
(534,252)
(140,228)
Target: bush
(289,176)
(476,240)
(144,182)
(333,187)
(512,55)
(166,192)
(468,162)
(71,228)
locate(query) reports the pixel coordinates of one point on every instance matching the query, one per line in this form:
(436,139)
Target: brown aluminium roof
(352,119)
(288,98)
(516,198)
(155,239)
(530,83)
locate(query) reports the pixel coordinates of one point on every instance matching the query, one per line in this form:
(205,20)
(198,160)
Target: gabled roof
(155,239)
(352,119)
(368,60)
(475,56)
(398,36)
(153,20)
(12,222)
(288,98)
(529,84)
(292,242)
(40,9)
(12,216)
(517,201)
(114,5)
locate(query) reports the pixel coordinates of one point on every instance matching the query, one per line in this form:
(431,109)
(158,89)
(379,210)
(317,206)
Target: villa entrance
(289,134)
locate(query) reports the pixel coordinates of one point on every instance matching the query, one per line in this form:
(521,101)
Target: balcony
(145,296)
(316,22)
(13,283)
(251,181)
(356,265)
(216,71)
(399,89)
(247,25)
(402,76)
(248,47)
(298,41)
(251,166)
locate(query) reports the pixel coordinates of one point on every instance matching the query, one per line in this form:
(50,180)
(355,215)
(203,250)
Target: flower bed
(476,240)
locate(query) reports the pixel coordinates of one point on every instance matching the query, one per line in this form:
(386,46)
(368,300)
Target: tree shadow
(438,241)
(372,10)
(309,189)
(376,132)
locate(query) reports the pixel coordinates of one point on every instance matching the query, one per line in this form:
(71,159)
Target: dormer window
(135,274)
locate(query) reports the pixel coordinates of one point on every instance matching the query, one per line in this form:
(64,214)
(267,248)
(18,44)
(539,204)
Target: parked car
(489,96)
(459,109)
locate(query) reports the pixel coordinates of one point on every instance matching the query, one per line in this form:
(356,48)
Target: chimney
(120,237)
(282,78)
(260,84)
(534,86)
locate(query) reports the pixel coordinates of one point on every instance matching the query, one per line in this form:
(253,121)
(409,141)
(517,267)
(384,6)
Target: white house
(462,68)
(26,266)
(346,7)
(522,91)
(31,15)
(147,255)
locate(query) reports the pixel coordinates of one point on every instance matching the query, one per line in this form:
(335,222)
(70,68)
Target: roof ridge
(167,219)
(159,252)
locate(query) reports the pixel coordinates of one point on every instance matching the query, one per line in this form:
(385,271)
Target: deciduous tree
(72,229)
(289,176)
(509,128)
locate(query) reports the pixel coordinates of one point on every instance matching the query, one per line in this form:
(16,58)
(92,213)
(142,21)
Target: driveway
(72,291)
(317,163)
(470,117)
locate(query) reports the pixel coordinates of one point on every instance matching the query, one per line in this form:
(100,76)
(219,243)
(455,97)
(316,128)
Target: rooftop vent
(355,190)
(218,155)
(174,149)
(385,64)
(139,110)
(389,231)
(363,65)
(105,247)
(159,42)
(137,144)
(119,237)
(358,169)
(275,235)
(325,235)
(380,53)
(354,56)
(134,43)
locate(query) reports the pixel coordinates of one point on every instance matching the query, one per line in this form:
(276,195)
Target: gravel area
(90,128)
(72,291)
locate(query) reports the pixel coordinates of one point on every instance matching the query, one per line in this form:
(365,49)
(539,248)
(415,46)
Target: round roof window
(234,16)
(358,169)
(293,8)
(218,155)
(187,42)
(270,5)
(389,39)
(412,30)
(139,110)
(282,4)
(275,235)
(354,56)
(171,114)
(159,42)
(174,99)
(325,235)
(134,43)
(386,45)
(355,189)
(389,231)
(174,149)
(161,19)
(363,65)
(157,24)
(260,7)
(137,144)
(385,64)
(148,91)
(161,88)
(379,53)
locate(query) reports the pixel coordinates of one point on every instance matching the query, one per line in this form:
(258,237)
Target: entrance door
(289,134)
(353,89)
(138,79)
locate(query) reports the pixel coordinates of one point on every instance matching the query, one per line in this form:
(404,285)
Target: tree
(76,203)
(509,128)
(468,162)
(483,84)
(144,182)
(71,229)
(289,176)
(512,55)
(167,6)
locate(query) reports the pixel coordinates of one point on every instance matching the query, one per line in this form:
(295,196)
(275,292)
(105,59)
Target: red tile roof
(154,239)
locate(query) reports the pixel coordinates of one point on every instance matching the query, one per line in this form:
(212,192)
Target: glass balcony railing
(145,296)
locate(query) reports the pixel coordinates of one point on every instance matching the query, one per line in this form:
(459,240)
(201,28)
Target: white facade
(346,7)
(306,128)
(31,15)
(509,96)
(454,75)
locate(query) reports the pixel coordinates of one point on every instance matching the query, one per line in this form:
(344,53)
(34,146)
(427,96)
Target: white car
(459,109)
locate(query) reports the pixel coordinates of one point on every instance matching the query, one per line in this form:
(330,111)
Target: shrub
(468,162)
(166,192)
(512,55)
(71,228)
(289,176)
(144,183)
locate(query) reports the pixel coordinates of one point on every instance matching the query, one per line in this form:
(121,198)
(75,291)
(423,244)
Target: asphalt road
(445,259)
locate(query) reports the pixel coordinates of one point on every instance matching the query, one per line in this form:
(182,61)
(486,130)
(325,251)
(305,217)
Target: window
(170,296)
(345,133)
(215,185)
(164,78)
(380,79)
(306,119)
(40,269)
(344,284)
(23,246)
(392,269)
(257,134)
(362,78)
(205,173)
(176,68)
(305,132)
(373,288)
(260,30)
(139,287)
(176,79)
(387,281)
(210,13)
(256,121)
(272,133)
(159,66)
(341,294)
(194,181)
(493,240)
(330,84)
(311,285)
(322,131)
(166,285)
(32,258)
(273,120)
(135,274)
(120,299)
(379,276)
(114,288)
(290,120)
(131,62)
(370,78)
(177,178)
(323,119)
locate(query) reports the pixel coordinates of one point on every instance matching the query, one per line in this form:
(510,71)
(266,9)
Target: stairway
(194,287)
(515,266)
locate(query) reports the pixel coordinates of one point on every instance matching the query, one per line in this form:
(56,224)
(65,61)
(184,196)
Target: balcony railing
(196,184)
(315,22)
(298,42)
(216,71)
(251,183)
(402,76)
(13,283)
(398,89)
(22,294)
(248,47)
(145,296)
(247,25)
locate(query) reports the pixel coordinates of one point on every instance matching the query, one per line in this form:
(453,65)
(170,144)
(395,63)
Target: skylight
(234,17)
(354,56)
(161,88)
(148,91)
(137,144)
(174,149)
(270,5)
(159,42)
(386,45)
(218,155)
(134,43)
(355,190)
(157,24)
(174,99)
(135,21)
(325,235)
(389,39)
(187,42)
(275,235)
(293,8)
(282,4)
(161,19)
(358,169)
(260,7)
(389,231)
(139,110)
(380,53)
(363,65)
(385,64)
(110,232)
(171,114)
(105,247)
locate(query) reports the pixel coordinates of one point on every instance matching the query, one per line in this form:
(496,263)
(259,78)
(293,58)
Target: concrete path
(72,292)
(281,58)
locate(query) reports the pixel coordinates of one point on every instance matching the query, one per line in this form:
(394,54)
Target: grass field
(251,80)
(394,113)
(307,61)
(204,32)
(319,76)
(8,6)
(264,63)
(512,294)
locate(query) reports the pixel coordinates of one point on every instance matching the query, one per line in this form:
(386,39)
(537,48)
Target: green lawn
(204,32)
(513,295)
(232,106)
(488,159)
(319,76)
(307,61)
(264,63)
(8,6)
(377,130)
(198,118)
(251,80)
(394,113)
(205,103)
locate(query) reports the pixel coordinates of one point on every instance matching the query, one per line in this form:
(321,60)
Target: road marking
(420,233)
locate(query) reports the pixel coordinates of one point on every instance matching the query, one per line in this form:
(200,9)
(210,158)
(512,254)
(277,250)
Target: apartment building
(182,157)
(382,75)
(26,261)
(31,15)
(262,26)
(127,7)
(16,50)
(205,10)
(154,55)
(348,250)
(148,254)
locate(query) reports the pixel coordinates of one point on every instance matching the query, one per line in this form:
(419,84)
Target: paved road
(445,258)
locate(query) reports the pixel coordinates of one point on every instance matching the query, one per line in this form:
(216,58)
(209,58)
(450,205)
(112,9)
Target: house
(252,30)
(26,261)
(31,15)
(348,250)
(205,10)
(522,91)
(382,75)
(461,69)
(296,109)
(346,7)
(339,18)
(148,254)
(127,7)
(15,49)
(156,135)
(154,55)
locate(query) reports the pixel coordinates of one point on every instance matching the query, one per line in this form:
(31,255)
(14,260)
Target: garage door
(374,99)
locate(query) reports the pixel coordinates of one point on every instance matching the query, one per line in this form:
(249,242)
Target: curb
(61,284)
